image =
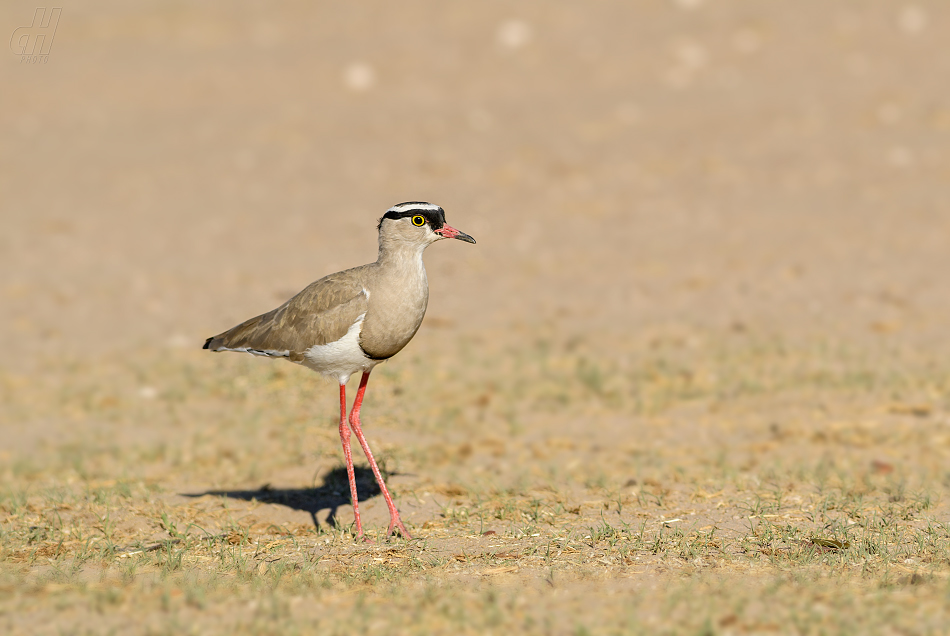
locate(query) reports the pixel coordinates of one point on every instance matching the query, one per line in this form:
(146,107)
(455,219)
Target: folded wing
(320,314)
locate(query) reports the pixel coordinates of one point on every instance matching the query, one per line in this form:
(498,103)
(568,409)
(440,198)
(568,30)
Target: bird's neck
(394,253)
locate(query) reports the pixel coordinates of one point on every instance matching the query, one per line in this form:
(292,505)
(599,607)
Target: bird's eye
(418,221)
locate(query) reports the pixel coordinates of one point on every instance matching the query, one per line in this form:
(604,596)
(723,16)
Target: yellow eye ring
(418,221)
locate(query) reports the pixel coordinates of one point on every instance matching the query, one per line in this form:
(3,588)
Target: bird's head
(419,224)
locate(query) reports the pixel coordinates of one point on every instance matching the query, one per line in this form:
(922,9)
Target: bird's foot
(396,522)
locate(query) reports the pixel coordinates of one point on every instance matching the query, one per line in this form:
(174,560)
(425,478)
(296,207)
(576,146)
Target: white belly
(340,359)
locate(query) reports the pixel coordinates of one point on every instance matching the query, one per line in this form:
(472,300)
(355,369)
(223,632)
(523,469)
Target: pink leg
(345,438)
(394,520)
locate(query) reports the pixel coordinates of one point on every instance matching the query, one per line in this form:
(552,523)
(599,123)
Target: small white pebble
(912,19)
(691,55)
(900,157)
(359,76)
(688,4)
(148,393)
(513,34)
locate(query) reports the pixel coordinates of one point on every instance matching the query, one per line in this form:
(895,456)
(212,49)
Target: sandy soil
(712,257)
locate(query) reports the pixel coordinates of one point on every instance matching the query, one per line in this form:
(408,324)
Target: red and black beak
(448,231)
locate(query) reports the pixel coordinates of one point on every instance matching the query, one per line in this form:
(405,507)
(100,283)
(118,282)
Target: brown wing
(321,313)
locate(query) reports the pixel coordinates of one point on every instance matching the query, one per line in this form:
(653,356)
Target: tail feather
(222,342)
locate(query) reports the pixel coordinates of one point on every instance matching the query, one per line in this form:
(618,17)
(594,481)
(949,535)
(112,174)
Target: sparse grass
(736,487)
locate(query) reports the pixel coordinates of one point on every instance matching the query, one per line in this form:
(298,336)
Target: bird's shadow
(334,493)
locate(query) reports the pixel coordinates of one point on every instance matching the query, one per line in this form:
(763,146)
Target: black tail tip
(207,344)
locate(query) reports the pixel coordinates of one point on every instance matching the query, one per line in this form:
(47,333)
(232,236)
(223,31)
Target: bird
(353,320)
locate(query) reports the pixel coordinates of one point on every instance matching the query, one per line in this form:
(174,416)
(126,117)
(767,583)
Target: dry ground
(721,486)
(693,378)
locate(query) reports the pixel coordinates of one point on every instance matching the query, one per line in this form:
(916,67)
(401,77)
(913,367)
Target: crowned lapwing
(353,320)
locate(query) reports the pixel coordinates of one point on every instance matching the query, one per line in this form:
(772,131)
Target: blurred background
(626,167)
